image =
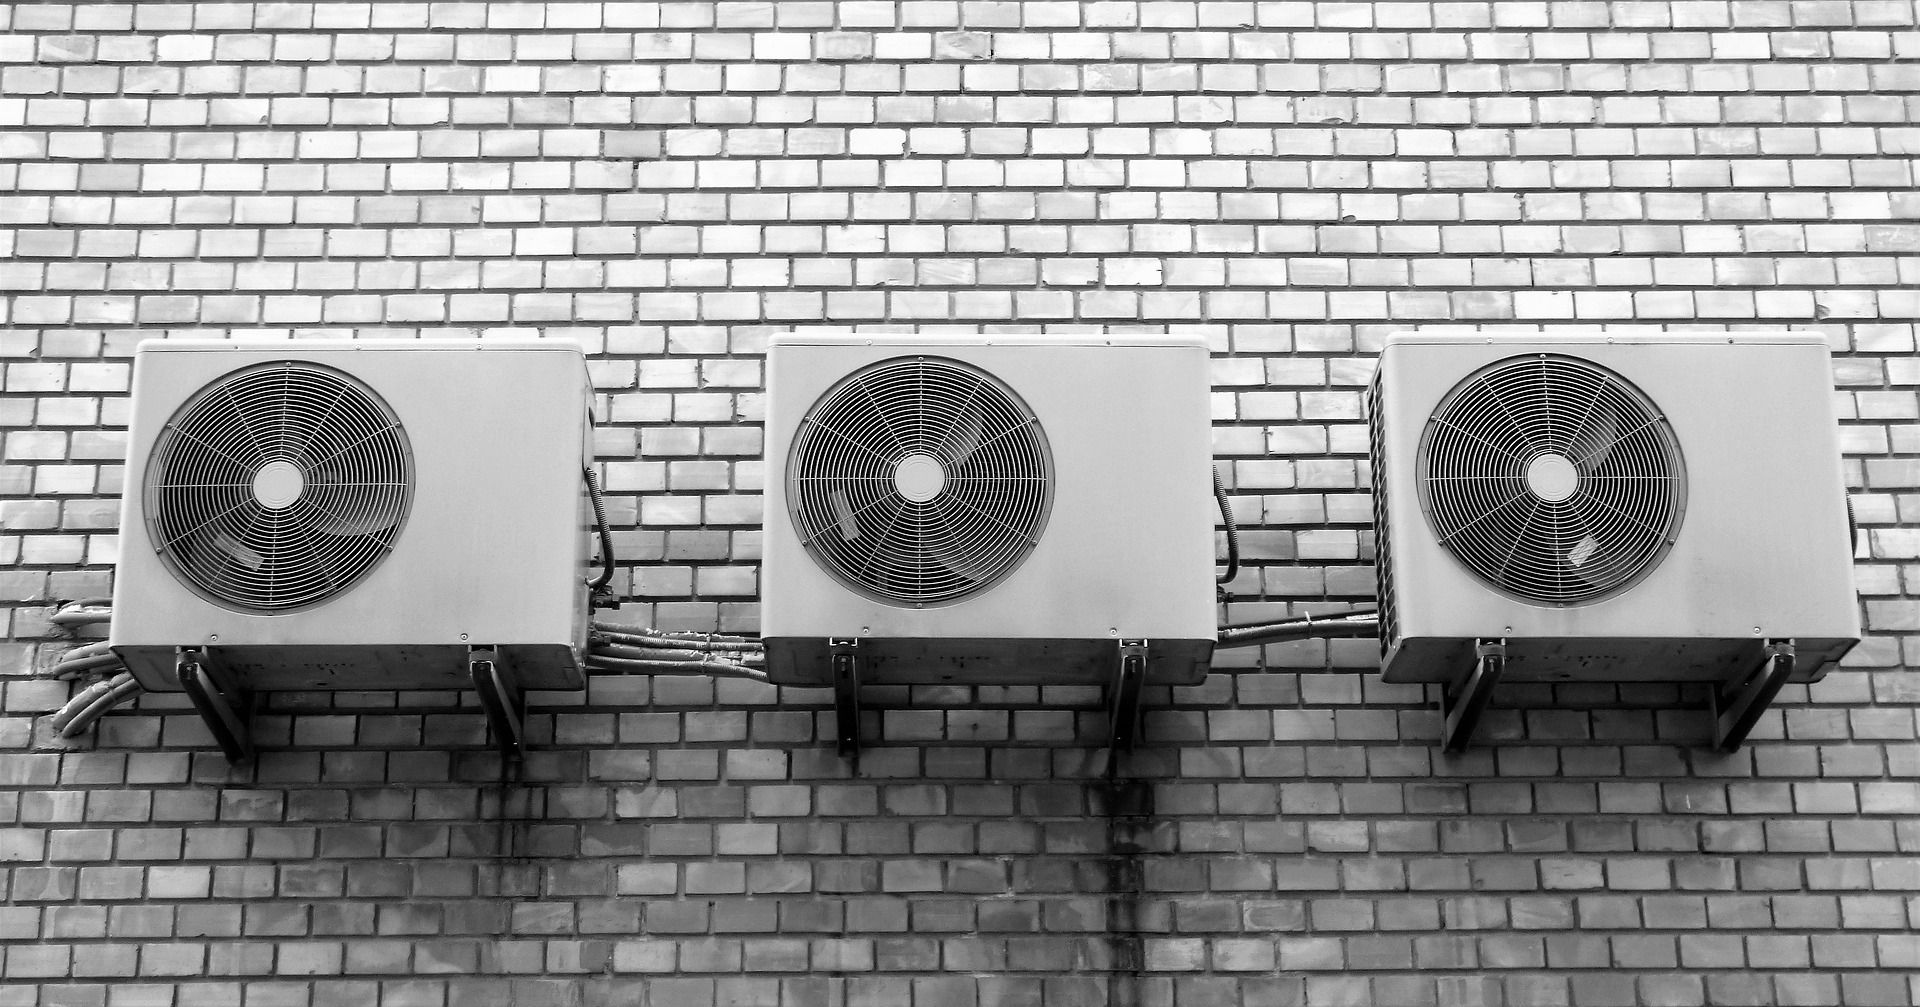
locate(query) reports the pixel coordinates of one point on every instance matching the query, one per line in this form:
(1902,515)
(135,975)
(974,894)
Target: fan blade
(958,549)
(843,514)
(963,437)
(350,509)
(891,559)
(238,551)
(1593,442)
(1523,540)
(815,444)
(1582,555)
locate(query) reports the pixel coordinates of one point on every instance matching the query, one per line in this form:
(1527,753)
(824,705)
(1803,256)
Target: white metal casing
(1127,551)
(494,550)
(1763,550)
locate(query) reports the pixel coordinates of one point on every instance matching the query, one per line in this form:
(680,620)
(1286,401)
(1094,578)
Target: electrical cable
(598,586)
(1233,533)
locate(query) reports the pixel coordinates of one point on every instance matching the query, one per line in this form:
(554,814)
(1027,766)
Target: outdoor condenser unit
(1000,509)
(354,515)
(1610,507)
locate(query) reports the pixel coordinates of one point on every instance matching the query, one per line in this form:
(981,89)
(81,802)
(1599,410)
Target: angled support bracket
(221,701)
(845,655)
(1123,695)
(1465,698)
(501,698)
(1738,702)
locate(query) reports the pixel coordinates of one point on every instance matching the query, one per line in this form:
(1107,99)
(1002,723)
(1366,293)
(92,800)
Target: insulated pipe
(1355,625)
(674,642)
(91,650)
(120,693)
(88,704)
(81,615)
(678,638)
(663,654)
(80,660)
(623,665)
(69,669)
(651,650)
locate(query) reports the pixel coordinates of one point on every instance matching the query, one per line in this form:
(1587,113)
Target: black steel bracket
(845,656)
(1123,695)
(501,698)
(1464,699)
(1738,702)
(221,701)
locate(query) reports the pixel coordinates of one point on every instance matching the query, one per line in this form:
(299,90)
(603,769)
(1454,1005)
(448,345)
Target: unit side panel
(1433,593)
(498,536)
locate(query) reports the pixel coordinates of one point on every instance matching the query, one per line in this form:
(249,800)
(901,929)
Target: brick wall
(670,182)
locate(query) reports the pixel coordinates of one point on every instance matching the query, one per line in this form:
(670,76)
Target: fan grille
(1552,478)
(919,480)
(278,486)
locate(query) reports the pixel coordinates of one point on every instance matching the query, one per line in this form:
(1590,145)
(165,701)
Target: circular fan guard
(278,486)
(1552,478)
(919,480)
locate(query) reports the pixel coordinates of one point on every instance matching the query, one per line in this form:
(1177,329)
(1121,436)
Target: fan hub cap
(1553,477)
(278,485)
(919,477)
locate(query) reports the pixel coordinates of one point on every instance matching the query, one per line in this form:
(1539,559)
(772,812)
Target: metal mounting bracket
(845,656)
(1738,702)
(221,701)
(1123,694)
(501,698)
(1465,698)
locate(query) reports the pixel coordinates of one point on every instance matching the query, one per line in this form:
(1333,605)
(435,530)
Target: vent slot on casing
(1382,530)
(1552,478)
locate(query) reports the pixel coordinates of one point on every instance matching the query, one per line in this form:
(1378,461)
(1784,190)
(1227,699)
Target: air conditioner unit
(1610,507)
(1001,509)
(354,515)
